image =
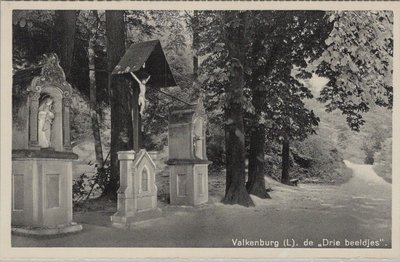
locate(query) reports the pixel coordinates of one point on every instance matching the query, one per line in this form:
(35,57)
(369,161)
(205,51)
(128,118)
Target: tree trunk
(197,92)
(93,103)
(285,161)
(236,192)
(63,38)
(115,28)
(256,181)
(136,119)
(195,44)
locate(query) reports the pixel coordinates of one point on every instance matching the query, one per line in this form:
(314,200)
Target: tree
(234,34)
(259,68)
(358,63)
(195,43)
(63,38)
(91,30)
(273,65)
(286,116)
(115,32)
(30,26)
(124,96)
(94,109)
(208,77)
(37,26)
(221,45)
(192,20)
(277,58)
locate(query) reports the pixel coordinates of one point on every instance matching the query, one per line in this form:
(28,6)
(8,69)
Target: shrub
(85,187)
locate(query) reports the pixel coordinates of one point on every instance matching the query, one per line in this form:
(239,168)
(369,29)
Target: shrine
(42,156)
(187,155)
(144,64)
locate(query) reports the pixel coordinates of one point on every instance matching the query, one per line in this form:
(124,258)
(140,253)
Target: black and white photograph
(261,129)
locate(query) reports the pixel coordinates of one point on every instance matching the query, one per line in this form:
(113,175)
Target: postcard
(199,130)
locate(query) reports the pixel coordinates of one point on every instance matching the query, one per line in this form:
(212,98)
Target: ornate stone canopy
(51,75)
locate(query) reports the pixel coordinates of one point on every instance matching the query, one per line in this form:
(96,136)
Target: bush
(383,163)
(84,187)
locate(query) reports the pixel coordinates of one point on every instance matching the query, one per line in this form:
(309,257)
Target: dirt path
(357,210)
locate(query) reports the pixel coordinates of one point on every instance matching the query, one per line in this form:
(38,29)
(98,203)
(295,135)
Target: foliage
(155,117)
(335,131)
(326,163)
(383,163)
(80,118)
(277,65)
(85,186)
(275,62)
(30,26)
(19,98)
(169,28)
(377,129)
(371,146)
(358,63)
(274,65)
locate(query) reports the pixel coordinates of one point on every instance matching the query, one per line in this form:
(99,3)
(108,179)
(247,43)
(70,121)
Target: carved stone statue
(45,121)
(142,93)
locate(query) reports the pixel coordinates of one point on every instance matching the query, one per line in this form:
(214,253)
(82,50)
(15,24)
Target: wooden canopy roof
(147,57)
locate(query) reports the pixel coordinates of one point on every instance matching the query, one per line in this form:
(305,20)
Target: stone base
(125,221)
(47,231)
(42,191)
(188,183)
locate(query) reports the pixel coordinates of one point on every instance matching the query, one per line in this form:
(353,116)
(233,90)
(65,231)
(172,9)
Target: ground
(358,210)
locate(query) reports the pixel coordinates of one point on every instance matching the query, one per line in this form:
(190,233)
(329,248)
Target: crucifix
(140,61)
(142,93)
(138,104)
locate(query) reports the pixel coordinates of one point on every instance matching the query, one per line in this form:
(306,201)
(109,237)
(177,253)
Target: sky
(317,83)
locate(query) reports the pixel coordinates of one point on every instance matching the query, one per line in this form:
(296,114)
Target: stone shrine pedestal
(188,162)
(188,182)
(137,194)
(42,193)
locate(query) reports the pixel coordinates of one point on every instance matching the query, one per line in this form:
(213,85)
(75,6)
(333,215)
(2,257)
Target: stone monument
(137,194)
(42,156)
(187,155)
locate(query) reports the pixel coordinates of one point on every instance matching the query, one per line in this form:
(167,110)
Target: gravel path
(355,214)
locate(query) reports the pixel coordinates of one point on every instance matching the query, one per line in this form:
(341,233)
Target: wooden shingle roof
(148,57)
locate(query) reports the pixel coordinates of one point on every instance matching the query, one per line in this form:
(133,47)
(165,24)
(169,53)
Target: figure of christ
(45,121)
(142,93)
